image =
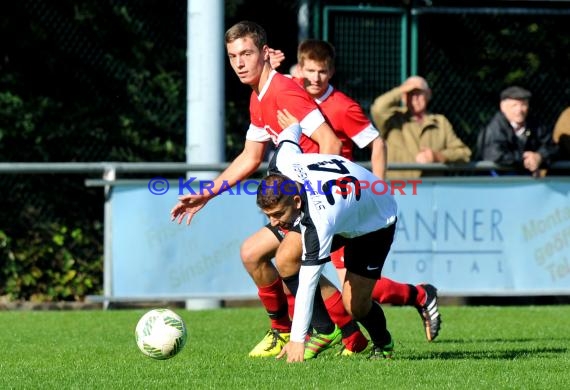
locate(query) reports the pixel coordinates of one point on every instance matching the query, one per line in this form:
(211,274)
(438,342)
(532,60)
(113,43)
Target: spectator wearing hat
(514,139)
(412,133)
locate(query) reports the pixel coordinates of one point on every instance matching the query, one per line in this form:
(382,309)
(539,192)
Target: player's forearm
(332,147)
(290,133)
(240,169)
(308,282)
(378,158)
(327,140)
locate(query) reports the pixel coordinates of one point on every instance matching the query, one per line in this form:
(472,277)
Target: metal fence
(467,54)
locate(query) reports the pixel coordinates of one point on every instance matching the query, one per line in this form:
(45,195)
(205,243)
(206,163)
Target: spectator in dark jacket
(515,140)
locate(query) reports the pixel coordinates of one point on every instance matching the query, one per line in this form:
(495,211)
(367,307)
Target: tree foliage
(80,81)
(93,80)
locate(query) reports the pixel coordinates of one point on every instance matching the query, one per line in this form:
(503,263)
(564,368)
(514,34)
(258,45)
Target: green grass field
(510,347)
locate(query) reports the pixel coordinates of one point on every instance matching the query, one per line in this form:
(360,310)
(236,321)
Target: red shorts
(280,232)
(337,258)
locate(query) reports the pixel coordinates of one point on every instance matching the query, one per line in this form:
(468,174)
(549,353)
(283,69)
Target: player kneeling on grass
(321,194)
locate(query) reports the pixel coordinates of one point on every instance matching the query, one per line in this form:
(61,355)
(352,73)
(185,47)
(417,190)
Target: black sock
(375,323)
(320,321)
(413,295)
(349,329)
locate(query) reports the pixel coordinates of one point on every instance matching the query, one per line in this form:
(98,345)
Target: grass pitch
(513,347)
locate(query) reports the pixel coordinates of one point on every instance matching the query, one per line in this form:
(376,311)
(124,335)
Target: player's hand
(294,350)
(187,206)
(276,57)
(285,118)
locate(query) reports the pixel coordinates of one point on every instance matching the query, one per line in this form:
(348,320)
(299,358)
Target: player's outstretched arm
(242,167)
(188,207)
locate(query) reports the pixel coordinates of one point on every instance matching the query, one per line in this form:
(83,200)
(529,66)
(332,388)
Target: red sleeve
(354,120)
(297,102)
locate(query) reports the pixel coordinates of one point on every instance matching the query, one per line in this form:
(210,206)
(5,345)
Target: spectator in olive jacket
(412,134)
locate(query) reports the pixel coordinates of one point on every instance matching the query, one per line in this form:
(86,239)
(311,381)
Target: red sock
(388,291)
(421,298)
(336,310)
(275,302)
(352,337)
(356,341)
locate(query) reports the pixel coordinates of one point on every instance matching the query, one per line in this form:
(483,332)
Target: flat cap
(515,92)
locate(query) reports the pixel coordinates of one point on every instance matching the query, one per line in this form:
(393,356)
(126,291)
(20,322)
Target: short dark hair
(245,28)
(273,189)
(316,50)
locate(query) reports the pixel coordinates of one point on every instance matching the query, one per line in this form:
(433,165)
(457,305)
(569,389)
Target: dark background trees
(94,81)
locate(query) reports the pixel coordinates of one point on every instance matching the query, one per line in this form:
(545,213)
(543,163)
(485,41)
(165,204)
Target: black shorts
(365,255)
(280,233)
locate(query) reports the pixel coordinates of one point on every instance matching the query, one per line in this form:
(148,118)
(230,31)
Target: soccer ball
(160,334)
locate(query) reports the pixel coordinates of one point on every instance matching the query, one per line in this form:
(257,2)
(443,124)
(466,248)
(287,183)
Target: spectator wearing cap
(513,138)
(412,133)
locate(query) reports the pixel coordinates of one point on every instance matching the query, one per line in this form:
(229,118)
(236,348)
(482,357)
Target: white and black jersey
(337,200)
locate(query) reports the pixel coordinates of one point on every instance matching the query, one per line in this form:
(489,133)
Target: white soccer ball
(160,334)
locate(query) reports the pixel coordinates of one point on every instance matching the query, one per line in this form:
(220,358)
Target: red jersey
(348,121)
(278,93)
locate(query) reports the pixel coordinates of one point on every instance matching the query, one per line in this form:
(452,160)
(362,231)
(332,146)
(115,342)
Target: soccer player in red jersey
(314,70)
(249,57)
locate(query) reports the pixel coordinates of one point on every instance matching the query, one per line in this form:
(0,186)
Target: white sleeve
(288,147)
(365,136)
(257,134)
(312,121)
(291,133)
(304,300)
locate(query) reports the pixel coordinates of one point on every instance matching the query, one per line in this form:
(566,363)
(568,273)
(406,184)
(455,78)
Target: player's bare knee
(286,265)
(250,256)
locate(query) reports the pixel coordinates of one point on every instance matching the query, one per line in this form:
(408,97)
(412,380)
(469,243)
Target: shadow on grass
(488,354)
(500,340)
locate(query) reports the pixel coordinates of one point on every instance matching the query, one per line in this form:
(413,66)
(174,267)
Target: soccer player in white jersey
(333,201)
(314,70)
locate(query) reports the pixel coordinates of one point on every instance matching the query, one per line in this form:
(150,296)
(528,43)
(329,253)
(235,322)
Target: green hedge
(51,263)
